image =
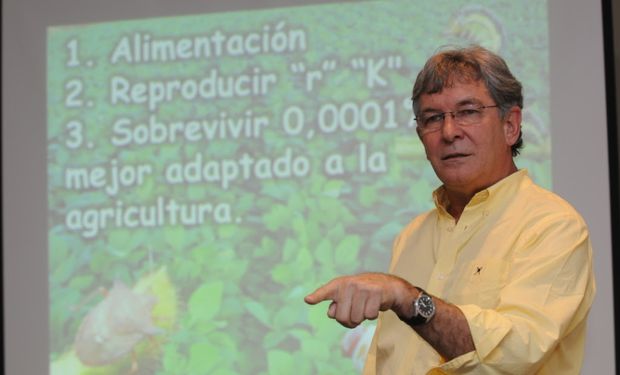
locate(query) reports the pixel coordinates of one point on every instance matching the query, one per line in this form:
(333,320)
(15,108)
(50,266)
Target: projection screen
(178,176)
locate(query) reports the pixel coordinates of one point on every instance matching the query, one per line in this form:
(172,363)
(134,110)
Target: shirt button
(450,229)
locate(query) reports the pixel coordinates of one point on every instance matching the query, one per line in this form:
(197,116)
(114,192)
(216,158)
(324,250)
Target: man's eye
(434,119)
(468,112)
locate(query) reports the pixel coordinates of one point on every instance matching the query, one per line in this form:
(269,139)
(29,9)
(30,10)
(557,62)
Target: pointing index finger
(323,293)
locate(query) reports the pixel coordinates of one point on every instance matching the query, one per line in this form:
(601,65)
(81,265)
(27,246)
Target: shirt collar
(501,188)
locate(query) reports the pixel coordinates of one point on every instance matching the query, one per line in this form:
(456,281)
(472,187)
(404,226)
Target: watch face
(426,307)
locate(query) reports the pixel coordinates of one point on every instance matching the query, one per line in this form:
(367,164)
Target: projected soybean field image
(206,172)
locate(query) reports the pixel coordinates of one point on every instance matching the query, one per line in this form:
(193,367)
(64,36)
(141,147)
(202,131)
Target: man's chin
(453,175)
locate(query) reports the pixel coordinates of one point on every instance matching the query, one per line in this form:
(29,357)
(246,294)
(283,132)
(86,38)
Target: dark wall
(611,24)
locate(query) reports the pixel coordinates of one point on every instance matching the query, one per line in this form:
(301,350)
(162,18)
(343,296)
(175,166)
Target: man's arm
(546,298)
(360,297)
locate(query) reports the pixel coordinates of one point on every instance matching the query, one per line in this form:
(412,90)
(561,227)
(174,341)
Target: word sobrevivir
(125,133)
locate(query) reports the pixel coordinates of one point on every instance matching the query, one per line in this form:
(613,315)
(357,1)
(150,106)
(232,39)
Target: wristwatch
(423,309)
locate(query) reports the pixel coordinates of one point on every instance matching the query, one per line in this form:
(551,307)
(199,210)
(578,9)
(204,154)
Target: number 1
(73,60)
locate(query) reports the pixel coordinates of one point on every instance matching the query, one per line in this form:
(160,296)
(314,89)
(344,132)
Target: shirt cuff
(488,329)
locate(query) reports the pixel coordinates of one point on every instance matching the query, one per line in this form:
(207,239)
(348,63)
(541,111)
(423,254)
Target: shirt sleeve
(371,359)
(547,296)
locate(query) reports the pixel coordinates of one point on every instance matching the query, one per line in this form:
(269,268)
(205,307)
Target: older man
(498,277)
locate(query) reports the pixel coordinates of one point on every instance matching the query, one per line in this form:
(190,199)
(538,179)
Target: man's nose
(450,129)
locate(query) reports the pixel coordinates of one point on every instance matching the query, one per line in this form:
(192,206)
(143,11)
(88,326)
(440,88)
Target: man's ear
(417,130)
(512,125)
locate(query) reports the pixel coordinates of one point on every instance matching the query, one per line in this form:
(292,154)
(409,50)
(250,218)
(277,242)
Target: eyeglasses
(464,117)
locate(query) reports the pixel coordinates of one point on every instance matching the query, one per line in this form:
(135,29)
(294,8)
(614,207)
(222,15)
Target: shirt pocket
(480,282)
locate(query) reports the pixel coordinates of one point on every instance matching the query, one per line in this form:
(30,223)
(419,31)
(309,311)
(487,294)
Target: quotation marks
(329,65)
(375,66)
(315,75)
(298,67)
(391,62)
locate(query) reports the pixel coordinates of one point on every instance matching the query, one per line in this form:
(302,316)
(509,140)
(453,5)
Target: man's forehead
(457,93)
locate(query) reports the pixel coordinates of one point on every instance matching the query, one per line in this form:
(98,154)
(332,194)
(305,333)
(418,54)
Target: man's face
(469,158)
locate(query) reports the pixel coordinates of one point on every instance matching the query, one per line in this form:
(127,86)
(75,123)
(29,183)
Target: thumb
(331,311)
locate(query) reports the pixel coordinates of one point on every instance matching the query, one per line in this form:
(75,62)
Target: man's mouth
(454,156)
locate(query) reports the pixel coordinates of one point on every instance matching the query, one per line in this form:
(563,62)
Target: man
(498,277)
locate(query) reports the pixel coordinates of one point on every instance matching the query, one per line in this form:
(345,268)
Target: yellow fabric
(518,264)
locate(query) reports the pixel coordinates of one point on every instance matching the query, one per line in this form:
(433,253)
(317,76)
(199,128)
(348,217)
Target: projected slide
(206,172)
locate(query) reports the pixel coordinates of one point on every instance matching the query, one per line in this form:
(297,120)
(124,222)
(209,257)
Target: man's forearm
(448,332)
(359,297)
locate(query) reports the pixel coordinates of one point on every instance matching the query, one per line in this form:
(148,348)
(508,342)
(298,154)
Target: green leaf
(293,270)
(64,270)
(81,282)
(296,202)
(290,249)
(288,315)
(203,357)
(303,262)
(278,216)
(282,274)
(280,362)
(119,239)
(224,371)
(367,196)
(173,361)
(258,310)
(274,338)
(347,250)
(333,188)
(315,349)
(324,252)
(58,251)
(196,192)
(317,315)
(299,225)
(175,236)
(205,302)
(300,334)
(227,231)
(266,248)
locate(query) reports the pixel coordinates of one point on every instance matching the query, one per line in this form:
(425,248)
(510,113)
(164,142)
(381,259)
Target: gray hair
(471,64)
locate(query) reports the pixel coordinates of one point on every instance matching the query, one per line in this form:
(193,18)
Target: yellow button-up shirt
(518,263)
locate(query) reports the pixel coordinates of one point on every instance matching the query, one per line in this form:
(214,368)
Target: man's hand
(359,297)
